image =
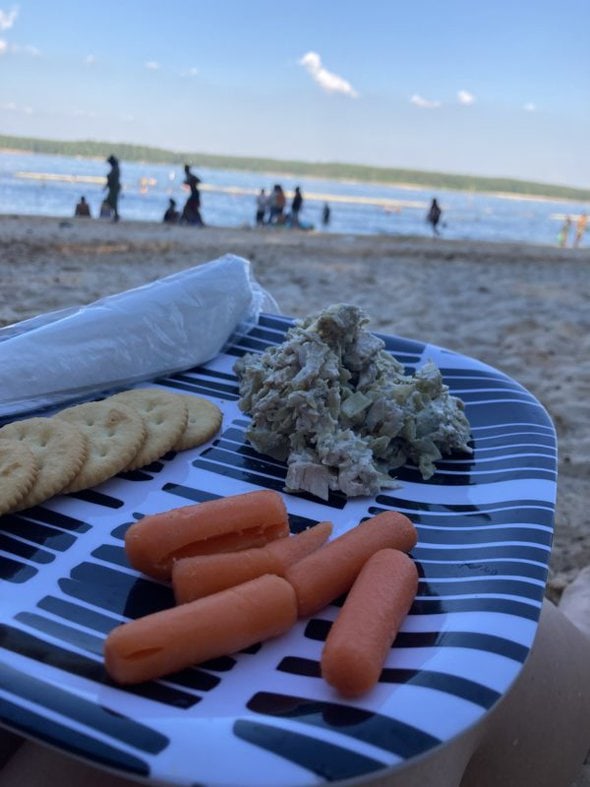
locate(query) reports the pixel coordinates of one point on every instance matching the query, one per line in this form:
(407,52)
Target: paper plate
(264,716)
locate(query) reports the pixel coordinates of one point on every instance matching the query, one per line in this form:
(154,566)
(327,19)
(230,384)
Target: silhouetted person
(296,206)
(433,216)
(113,186)
(171,216)
(326,214)
(191,213)
(82,208)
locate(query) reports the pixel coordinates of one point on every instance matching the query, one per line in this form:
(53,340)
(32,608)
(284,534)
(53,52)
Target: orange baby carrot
(366,626)
(176,638)
(195,577)
(224,525)
(330,571)
(290,550)
(200,576)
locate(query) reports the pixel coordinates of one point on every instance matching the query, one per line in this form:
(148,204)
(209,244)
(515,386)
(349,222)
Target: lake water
(36,184)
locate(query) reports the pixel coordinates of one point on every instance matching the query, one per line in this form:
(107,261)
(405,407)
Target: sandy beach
(522,309)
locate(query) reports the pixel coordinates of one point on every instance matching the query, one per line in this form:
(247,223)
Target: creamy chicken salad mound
(340,410)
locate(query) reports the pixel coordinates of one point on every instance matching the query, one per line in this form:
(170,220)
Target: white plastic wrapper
(159,328)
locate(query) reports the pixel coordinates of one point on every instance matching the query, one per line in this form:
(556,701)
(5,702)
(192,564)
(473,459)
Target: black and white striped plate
(264,716)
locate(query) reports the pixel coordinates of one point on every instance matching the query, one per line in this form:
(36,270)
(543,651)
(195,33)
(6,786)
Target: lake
(45,185)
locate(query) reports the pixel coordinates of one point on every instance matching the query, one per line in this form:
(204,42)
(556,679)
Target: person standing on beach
(273,207)
(277,204)
(433,216)
(564,232)
(296,206)
(191,213)
(261,205)
(281,205)
(326,214)
(113,186)
(581,224)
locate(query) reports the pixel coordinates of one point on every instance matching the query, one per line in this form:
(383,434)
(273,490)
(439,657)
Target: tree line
(328,170)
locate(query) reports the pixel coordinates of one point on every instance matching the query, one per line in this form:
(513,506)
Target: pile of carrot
(239,578)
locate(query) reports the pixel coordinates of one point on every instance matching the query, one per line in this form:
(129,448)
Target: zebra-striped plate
(264,716)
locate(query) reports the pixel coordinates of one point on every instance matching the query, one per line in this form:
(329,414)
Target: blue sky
(501,88)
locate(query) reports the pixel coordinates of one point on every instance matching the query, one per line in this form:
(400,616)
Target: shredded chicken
(340,410)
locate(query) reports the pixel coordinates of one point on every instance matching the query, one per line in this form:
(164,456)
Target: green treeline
(330,170)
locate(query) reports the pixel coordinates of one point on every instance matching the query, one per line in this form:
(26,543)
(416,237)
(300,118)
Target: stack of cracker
(84,445)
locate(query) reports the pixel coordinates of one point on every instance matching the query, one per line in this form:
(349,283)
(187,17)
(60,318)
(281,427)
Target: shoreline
(520,308)
(460,246)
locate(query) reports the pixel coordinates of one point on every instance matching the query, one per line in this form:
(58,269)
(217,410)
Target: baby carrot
(330,571)
(200,576)
(366,626)
(224,525)
(290,550)
(195,577)
(176,638)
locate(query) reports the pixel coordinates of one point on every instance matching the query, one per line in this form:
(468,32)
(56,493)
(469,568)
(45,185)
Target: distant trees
(331,170)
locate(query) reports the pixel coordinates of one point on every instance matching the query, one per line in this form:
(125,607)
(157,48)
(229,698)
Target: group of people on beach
(191,212)
(109,209)
(580,229)
(271,208)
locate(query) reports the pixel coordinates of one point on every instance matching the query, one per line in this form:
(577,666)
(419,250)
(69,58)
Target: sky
(496,89)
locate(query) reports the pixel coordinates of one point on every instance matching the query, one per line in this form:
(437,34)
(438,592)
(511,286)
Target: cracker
(59,448)
(165,415)
(114,432)
(18,470)
(204,421)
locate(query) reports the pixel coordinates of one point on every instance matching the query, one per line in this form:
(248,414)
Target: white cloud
(331,83)
(189,72)
(152,65)
(3,46)
(530,107)
(424,103)
(465,97)
(7,18)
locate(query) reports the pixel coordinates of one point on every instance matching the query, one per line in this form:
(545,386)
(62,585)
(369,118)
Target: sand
(523,309)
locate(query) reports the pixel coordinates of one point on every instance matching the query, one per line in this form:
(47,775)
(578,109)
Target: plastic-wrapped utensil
(153,330)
